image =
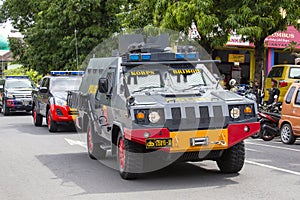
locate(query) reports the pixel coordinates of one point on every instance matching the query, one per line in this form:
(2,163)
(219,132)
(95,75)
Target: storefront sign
(281,39)
(236,40)
(236,58)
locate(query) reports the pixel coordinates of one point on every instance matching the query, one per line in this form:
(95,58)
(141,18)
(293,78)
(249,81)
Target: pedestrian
(257,92)
(273,93)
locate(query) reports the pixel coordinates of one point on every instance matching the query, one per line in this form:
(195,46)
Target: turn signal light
(247,110)
(140,115)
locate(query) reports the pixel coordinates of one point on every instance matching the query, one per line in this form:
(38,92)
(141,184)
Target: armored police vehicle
(154,102)
(15,94)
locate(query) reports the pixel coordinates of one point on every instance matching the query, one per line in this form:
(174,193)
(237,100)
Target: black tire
(265,135)
(52,126)
(129,158)
(37,118)
(5,109)
(232,159)
(256,135)
(94,150)
(287,135)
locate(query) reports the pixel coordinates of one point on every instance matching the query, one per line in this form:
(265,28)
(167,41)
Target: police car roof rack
(66,73)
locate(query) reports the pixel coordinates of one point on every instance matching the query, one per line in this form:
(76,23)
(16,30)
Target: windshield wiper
(193,86)
(144,88)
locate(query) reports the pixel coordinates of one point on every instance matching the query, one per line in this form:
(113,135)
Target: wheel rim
(49,121)
(285,134)
(121,154)
(34,115)
(90,142)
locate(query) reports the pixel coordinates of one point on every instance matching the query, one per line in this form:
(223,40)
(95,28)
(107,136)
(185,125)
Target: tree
(254,20)
(49,27)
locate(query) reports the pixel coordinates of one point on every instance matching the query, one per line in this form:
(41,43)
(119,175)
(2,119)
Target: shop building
(277,44)
(238,60)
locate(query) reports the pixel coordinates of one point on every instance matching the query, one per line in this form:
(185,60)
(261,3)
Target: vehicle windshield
(168,78)
(18,83)
(65,84)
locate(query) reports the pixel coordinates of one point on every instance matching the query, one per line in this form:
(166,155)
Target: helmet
(232,82)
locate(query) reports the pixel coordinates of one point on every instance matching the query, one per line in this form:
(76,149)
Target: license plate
(25,103)
(158,143)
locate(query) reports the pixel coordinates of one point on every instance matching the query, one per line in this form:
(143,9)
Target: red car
(50,99)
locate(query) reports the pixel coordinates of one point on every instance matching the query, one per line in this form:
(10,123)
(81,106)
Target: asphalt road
(36,164)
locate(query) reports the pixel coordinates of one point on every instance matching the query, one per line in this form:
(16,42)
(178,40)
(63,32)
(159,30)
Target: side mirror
(103,85)
(43,89)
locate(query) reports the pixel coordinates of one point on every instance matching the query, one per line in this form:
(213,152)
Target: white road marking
(266,145)
(253,150)
(82,144)
(272,167)
(75,142)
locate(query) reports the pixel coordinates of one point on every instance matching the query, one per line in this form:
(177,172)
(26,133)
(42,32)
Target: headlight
(154,117)
(10,96)
(235,113)
(60,102)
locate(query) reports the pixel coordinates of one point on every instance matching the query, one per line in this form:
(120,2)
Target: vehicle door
(103,102)
(43,94)
(295,118)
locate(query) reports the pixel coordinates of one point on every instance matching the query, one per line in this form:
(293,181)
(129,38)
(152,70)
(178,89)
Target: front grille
(190,114)
(17,96)
(204,114)
(218,114)
(176,114)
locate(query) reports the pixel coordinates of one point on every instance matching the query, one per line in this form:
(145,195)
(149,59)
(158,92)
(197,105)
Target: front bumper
(196,140)
(19,104)
(62,113)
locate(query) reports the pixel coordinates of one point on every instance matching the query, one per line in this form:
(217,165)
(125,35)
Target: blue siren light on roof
(179,56)
(77,72)
(134,57)
(66,72)
(25,77)
(191,55)
(146,56)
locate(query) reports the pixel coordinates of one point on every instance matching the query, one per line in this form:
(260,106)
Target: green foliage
(20,71)
(49,37)
(216,20)
(49,30)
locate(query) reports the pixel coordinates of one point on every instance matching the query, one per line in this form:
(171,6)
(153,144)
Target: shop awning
(281,39)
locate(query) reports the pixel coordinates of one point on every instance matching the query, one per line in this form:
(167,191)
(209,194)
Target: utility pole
(76,47)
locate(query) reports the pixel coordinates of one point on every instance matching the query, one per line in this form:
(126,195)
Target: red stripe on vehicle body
(236,132)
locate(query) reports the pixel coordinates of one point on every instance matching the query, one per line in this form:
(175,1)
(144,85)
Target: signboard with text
(240,58)
(281,39)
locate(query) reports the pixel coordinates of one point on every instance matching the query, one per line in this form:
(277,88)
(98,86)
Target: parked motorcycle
(269,122)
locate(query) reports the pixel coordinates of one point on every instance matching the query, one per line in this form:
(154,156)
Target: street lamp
(76,47)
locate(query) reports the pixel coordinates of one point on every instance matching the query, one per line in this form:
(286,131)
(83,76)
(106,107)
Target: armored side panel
(93,72)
